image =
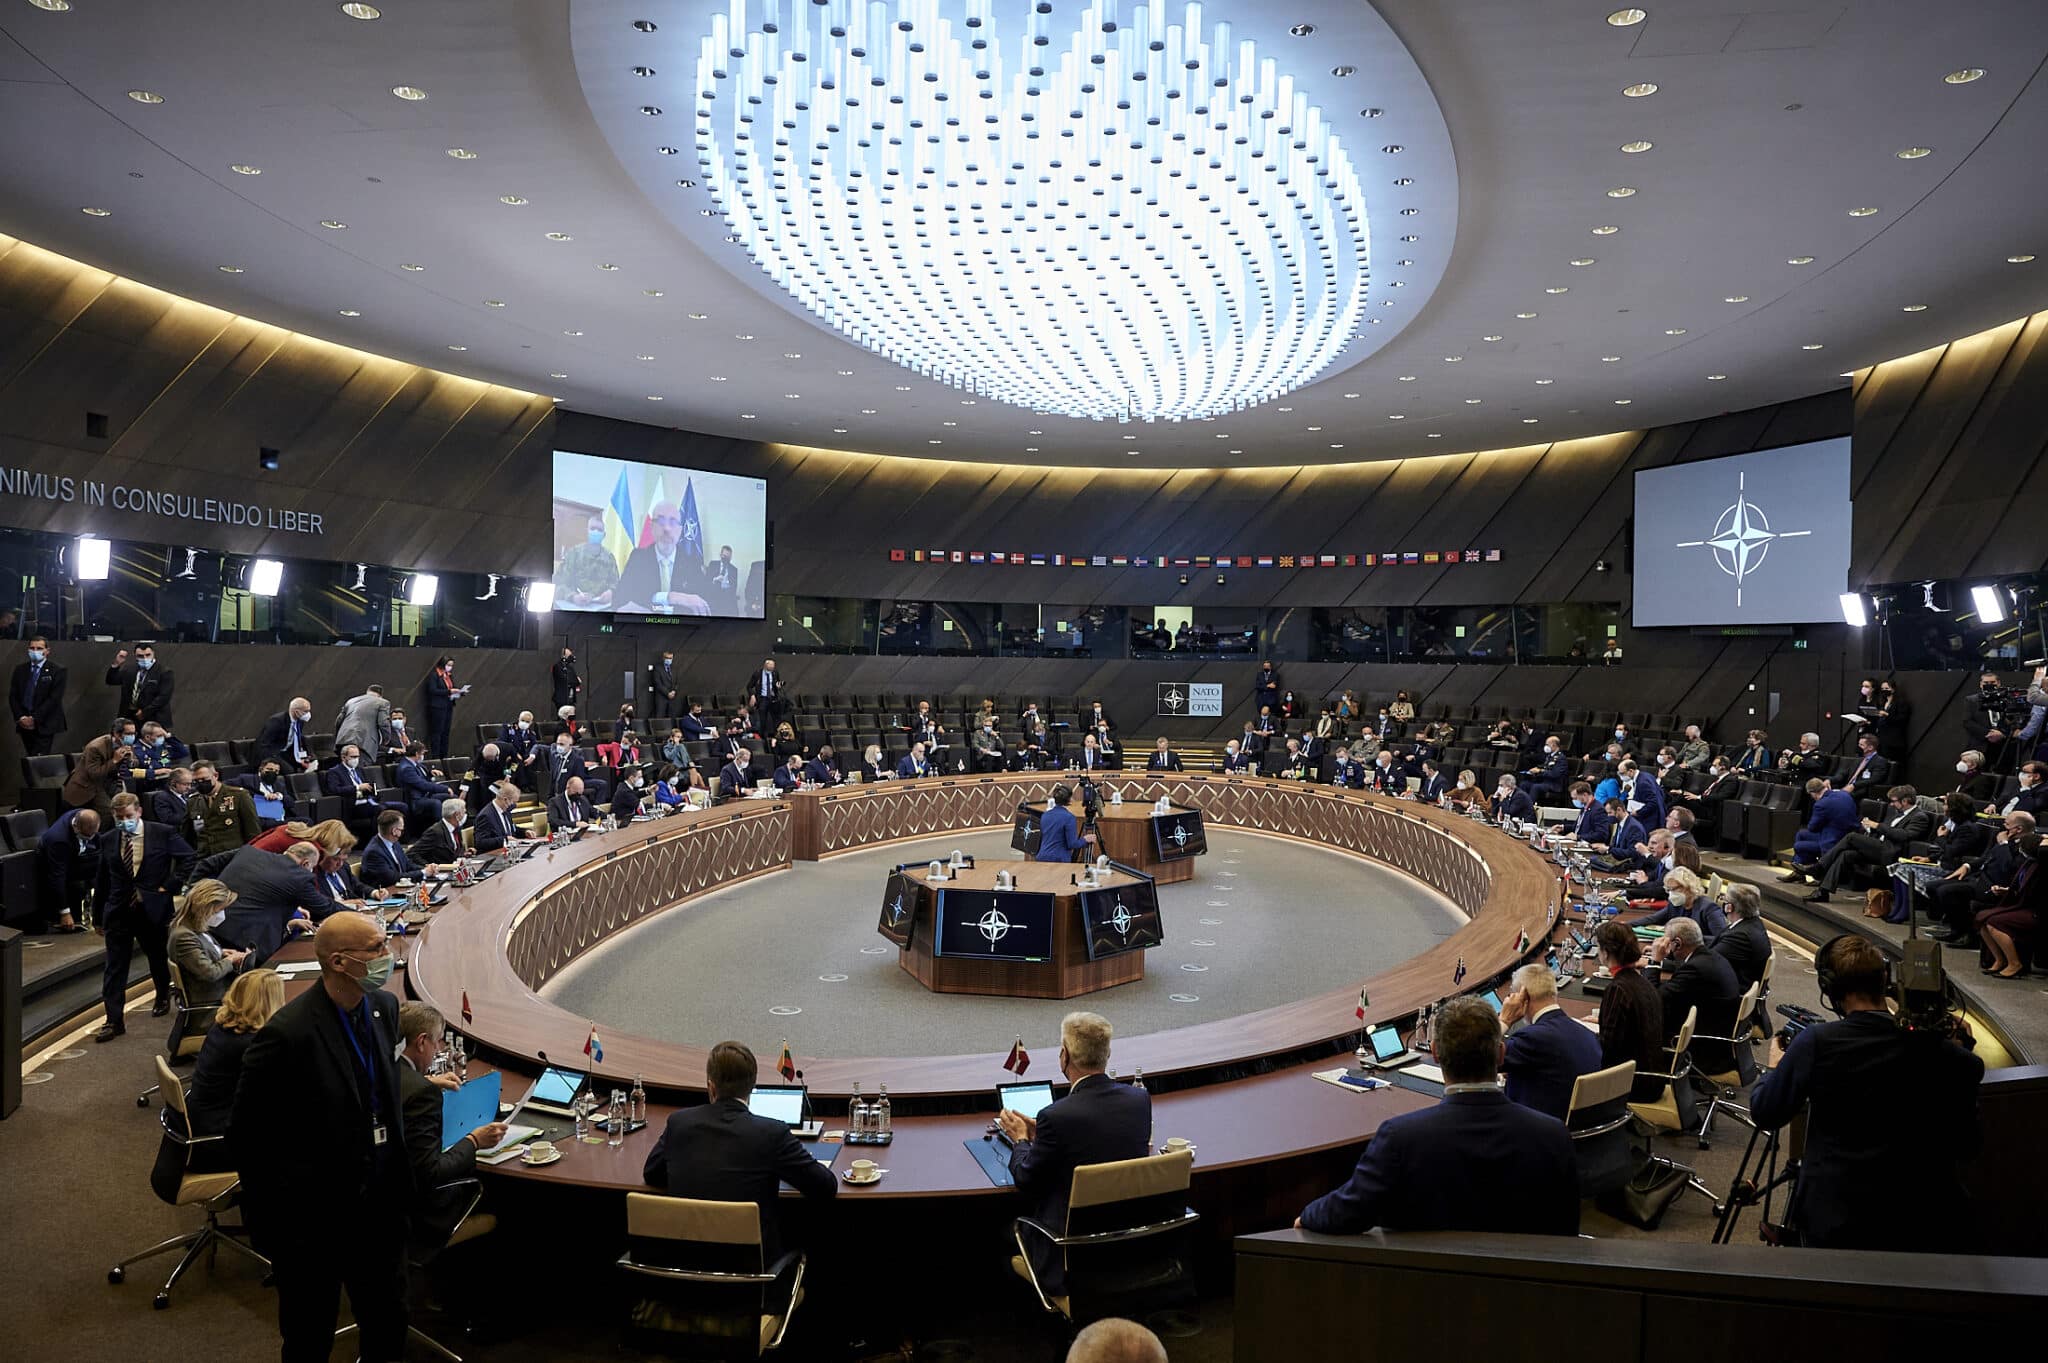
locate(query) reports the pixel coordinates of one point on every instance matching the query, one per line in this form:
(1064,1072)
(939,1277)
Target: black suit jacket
(558,769)
(1474,1162)
(660,681)
(1545,1059)
(564,811)
(385,864)
(166,862)
(166,808)
(437,846)
(721,1152)
(2034,802)
(1870,772)
(1163,761)
(1705,981)
(1746,945)
(269,888)
(1099,1120)
(273,744)
(339,780)
(45,704)
(301,1075)
(154,701)
(435,1214)
(567,682)
(491,827)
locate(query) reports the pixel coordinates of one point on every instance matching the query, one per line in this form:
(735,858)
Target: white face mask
(1963,768)
(220,916)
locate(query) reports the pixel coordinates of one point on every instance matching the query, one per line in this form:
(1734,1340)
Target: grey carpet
(1281,921)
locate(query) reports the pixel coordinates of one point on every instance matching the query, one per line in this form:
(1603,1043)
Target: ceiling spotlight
(1582,261)
(1302,30)
(1625,18)
(1640,89)
(1393,149)
(145,97)
(1473,402)
(333,224)
(2018,260)
(650,109)
(1715,378)
(462,153)
(97,212)
(458,347)
(1990,606)
(1370,113)
(1914,307)
(1489,338)
(1914,153)
(494,302)
(54,6)
(558,376)
(643,71)
(422,589)
(1736,298)
(607,266)
(229,269)
(1634,148)
(1545,383)
(1341,71)
(643,358)
(686,184)
(360,11)
(1621,192)
(558,236)
(1623,402)
(667,151)
(350,312)
(1610,359)
(1560,288)
(1862,212)
(1674,331)
(1964,76)
(1528,421)
(412,269)
(645,25)
(699,316)
(1524,316)
(540,597)
(410,92)
(513,200)
(1410,237)
(572,333)
(1605,230)
(653,293)
(246,170)
(1811,345)
(654,397)
(1799,260)
(1854,612)
(94,557)
(1453,359)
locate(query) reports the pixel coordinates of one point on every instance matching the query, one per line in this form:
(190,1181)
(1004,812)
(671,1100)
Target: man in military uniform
(220,817)
(588,572)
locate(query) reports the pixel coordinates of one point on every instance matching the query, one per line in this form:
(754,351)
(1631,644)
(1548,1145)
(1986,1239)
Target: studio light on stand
(1854,611)
(540,597)
(94,559)
(1990,605)
(421,589)
(266,575)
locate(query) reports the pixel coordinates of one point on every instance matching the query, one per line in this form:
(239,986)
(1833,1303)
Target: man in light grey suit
(365,721)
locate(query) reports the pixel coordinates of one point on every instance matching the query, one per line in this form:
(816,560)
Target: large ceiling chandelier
(1121,213)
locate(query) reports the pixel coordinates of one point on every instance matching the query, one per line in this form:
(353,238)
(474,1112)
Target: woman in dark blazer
(873,767)
(441,695)
(1631,1014)
(249,1003)
(2011,924)
(204,967)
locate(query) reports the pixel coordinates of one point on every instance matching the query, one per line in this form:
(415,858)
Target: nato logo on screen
(1756,539)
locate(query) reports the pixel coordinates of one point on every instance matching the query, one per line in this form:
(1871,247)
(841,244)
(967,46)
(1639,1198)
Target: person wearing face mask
(663,693)
(391,743)
(158,750)
(1880,843)
(1891,719)
(564,680)
(629,794)
(286,738)
(1098,1121)
(249,999)
(2032,796)
(588,572)
(436,1212)
(442,842)
(35,699)
(1511,803)
(493,826)
(559,765)
(693,726)
(356,787)
(267,788)
(441,694)
(1685,896)
(168,803)
(143,689)
(420,786)
(204,966)
(220,816)
(101,766)
(1694,754)
(324,1065)
(276,893)
(385,861)
(1434,784)
(141,865)
(363,720)
(1546,780)
(1591,826)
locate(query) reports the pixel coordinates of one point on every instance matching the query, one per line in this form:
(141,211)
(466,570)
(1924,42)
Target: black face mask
(204,787)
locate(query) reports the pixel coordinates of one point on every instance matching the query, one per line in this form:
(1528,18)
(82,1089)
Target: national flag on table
(1119,560)
(1099,561)
(1458,976)
(656,498)
(621,531)
(1265,560)
(1351,560)
(1431,556)
(1019,1059)
(976,556)
(1362,1001)
(467,1016)
(786,1067)
(898,555)
(592,1047)
(1326,560)
(1287,560)
(1521,941)
(959,556)
(1244,560)
(1410,559)
(1493,556)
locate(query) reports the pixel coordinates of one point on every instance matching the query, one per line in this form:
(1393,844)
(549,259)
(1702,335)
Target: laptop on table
(785,1103)
(1025,1099)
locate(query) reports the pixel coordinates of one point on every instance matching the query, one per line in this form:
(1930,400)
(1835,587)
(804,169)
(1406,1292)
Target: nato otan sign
(1200,700)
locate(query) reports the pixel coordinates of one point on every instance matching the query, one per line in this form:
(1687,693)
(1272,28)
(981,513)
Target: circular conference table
(1240,1088)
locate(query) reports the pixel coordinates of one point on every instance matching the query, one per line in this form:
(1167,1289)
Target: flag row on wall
(1404,558)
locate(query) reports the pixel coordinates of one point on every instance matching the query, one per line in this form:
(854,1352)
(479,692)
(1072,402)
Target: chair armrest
(1581,1133)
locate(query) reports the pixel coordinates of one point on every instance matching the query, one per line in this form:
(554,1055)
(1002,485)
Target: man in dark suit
(143,688)
(1592,824)
(418,786)
(1978,882)
(1695,978)
(1474,1162)
(1882,841)
(141,865)
(493,827)
(1163,758)
(1745,944)
(436,1209)
(733,781)
(323,1065)
(385,861)
(1238,762)
(283,739)
(1638,789)
(790,774)
(1266,689)
(692,724)
(271,890)
(764,695)
(666,576)
(2032,796)
(1435,785)
(167,804)
(1546,780)
(1510,801)
(566,681)
(914,763)
(519,744)
(720,1152)
(1098,1121)
(35,698)
(823,768)
(1347,772)
(664,697)
(357,790)
(1849,1077)
(441,844)
(1546,1056)
(559,765)
(1872,771)
(68,865)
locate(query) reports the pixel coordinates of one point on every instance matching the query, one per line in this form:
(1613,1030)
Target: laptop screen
(1386,1043)
(556,1087)
(778,1104)
(1025,1100)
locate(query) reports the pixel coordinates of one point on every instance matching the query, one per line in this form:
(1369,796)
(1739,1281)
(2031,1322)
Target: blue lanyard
(348,1029)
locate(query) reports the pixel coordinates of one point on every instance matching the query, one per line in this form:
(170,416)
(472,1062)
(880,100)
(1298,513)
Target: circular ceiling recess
(1113,211)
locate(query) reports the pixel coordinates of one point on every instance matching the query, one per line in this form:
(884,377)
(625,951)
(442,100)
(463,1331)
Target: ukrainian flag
(619,539)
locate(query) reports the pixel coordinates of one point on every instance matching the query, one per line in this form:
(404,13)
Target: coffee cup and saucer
(1177,1145)
(862,1173)
(539,1153)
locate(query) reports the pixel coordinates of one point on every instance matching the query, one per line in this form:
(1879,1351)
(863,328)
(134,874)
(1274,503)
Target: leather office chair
(21,829)
(188,1029)
(1673,1109)
(419,1259)
(214,1192)
(1125,1245)
(1728,1087)
(709,1290)
(20,891)
(1598,1119)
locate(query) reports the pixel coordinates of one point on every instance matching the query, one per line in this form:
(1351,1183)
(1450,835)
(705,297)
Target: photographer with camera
(2003,723)
(1891,1116)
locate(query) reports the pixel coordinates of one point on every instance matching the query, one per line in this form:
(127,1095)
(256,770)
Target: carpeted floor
(1264,922)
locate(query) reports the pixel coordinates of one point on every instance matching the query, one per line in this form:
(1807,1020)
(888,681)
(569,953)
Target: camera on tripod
(1797,1020)
(2005,706)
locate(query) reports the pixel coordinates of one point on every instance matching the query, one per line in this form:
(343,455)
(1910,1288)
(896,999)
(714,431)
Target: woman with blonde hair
(204,966)
(331,836)
(1685,896)
(251,1001)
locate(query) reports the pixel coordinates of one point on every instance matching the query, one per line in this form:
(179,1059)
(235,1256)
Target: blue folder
(473,1105)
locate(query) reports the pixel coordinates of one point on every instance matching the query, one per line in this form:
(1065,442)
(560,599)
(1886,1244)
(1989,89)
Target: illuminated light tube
(1147,223)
